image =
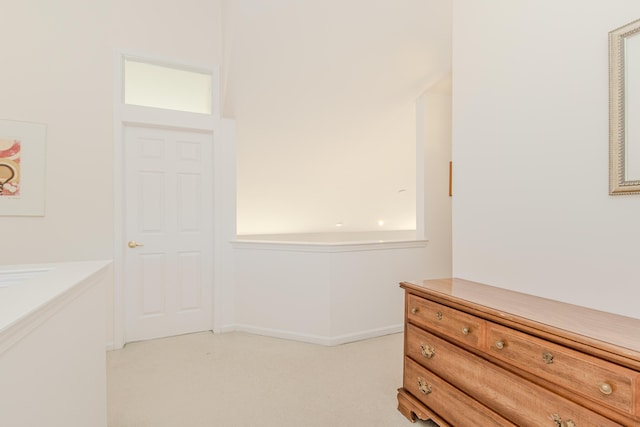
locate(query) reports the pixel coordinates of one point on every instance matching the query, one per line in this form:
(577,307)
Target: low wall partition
(321,288)
(52,352)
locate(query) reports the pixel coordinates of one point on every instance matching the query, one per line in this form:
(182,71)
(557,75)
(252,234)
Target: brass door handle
(132,244)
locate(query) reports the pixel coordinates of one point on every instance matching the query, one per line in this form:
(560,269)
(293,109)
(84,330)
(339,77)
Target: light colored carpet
(243,380)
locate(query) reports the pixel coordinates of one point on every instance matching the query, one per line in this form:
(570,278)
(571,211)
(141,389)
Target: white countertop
(28,288)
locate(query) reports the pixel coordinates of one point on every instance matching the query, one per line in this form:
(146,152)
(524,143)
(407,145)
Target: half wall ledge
(330,242)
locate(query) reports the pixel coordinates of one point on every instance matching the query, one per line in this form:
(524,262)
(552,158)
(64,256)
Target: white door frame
(124,115)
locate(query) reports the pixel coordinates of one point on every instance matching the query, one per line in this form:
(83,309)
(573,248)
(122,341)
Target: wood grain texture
(607,334)
(520,401)
(457,325)
(533,361)
(414,410)
(447,401)
(568,368)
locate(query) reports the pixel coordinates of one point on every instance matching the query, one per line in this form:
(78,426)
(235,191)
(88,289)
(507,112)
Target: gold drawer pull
(500,345)
(547,357)
(423,386)
(427,350)
(466,330)
(414,310)
(439,315)
(606,388)
(559,423)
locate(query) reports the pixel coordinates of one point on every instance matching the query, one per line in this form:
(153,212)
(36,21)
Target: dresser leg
(405,410)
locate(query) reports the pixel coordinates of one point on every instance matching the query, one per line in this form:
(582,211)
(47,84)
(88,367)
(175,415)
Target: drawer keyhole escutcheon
(547,357)
(500,345)
(606,388)
(466,330)
(427,351)
(423,386)
(439,315)
(414,310)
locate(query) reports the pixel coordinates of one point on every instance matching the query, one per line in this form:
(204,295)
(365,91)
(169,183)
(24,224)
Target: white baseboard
(295,336)
(224,329)
(318,339)
(363,335)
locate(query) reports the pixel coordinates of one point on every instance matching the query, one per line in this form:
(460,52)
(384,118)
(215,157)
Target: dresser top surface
(598,326)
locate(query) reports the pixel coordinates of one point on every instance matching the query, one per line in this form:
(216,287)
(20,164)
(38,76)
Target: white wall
(326,293)
(58,70)
(365,295)
(283,293)
(224,301)
(433,157)
(61,74)
(331,293)
(324,94)
(531,210)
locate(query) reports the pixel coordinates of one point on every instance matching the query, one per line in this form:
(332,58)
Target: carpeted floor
(243,380)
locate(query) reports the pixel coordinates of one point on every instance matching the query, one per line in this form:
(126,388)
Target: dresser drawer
(429,351)
(607,383)
(447,401)
(447,321)
(513,397)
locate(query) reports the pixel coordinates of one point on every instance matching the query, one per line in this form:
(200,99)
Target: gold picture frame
(624,101)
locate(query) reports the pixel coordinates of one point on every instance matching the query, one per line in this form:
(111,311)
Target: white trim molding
(318,339)
(273,245)
(127,115)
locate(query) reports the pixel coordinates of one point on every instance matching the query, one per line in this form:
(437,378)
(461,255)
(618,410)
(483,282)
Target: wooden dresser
(476,355)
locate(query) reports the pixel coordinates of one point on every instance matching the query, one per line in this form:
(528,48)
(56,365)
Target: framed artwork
(22,168)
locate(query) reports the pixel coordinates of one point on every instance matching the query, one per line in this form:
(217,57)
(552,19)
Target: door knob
(132,244)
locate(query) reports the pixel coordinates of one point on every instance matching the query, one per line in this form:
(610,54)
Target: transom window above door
(165,86)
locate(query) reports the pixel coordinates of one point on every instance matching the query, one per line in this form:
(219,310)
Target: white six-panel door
(168,227)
